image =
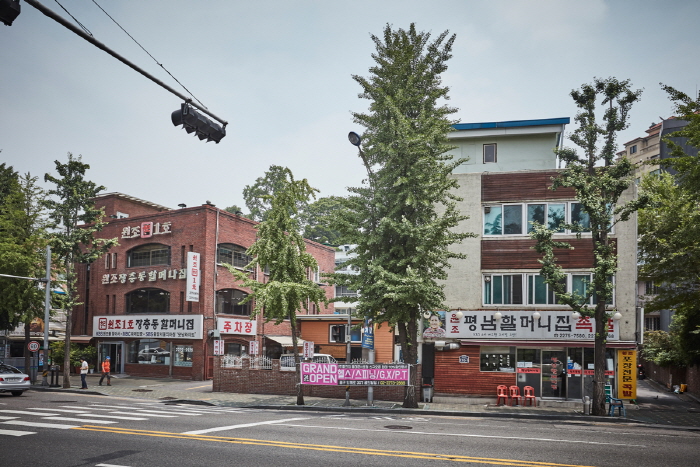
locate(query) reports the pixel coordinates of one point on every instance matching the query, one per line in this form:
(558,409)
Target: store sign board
(552,325)
(147,230)
(242,326)
(218,347)
(627,371)
(193,270)
(154,275)
(355,374)
(148,326)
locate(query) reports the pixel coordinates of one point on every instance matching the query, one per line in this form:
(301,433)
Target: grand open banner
(355,374)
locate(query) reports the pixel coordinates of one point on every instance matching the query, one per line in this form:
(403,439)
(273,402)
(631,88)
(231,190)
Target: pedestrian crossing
(63,417)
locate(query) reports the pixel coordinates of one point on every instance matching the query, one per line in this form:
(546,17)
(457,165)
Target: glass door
(114,351)
(554,373)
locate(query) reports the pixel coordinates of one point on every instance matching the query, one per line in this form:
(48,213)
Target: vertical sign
(192,277)
(218,347)
(253,347)
(368,334)
(626,371)
(308,349)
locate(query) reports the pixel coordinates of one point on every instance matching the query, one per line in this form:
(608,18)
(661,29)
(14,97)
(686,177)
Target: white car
(13,381)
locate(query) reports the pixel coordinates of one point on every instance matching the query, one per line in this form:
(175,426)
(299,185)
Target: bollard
(586,405)
(54,376)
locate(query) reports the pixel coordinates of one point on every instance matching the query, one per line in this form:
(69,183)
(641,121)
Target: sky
(280,73)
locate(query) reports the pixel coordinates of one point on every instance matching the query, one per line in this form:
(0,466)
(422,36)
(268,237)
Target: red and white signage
(33,346)
(253,350)
(242,326)
(218,347)
(308,349)
(193,270)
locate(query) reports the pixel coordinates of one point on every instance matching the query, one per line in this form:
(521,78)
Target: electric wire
(147,52)
(87,31)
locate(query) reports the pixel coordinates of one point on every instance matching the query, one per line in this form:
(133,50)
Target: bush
(76,353)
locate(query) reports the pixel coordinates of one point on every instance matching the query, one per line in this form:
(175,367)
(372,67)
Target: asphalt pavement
(655,405)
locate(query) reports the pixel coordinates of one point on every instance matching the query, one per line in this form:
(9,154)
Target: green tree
(280,248)
(669,229)
(402,217)
(235,209)
(74,221)
(599,181)
(258,196)
(22,253)
(316,220)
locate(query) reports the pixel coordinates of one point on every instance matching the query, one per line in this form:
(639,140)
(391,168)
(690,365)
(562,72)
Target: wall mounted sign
(242,326)
(148,326)
(153,275)
(147,230)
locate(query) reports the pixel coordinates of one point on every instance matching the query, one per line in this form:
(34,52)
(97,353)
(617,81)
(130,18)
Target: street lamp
(355,139)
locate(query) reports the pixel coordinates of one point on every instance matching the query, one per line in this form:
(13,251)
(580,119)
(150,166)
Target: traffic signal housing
(9,10)
(194,122)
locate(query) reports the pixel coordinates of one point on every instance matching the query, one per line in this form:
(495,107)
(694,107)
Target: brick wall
(247,381)
(452,377)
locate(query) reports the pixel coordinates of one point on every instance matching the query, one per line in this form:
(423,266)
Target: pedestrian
(105,372)
(83,373)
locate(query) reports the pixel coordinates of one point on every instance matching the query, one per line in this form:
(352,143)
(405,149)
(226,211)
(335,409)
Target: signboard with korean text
(355,374)
(218,347)
(627,372)
(242,326)
(146,230)
(464,359)
(193,270)
(368,334)
(154,275)
(148,326)
(253,348)
(552,325)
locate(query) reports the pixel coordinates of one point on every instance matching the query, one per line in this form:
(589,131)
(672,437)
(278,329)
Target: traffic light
(194,122)
(9,10)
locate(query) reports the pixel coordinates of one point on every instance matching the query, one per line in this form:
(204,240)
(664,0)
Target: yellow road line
(321,447)
(199,387)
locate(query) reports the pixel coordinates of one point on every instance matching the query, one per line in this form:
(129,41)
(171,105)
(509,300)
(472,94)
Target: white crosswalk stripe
(16,433)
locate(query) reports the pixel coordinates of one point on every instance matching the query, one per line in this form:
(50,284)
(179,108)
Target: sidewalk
(656,405)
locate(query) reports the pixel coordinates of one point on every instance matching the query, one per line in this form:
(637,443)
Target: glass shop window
(497,358)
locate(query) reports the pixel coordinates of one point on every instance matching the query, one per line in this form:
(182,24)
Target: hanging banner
(368,334)
(626,370)
(192,277)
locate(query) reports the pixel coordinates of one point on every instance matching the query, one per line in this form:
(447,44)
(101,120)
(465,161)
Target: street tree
(74,220)
(22,253)
(402,218)
(258,196)
(281,249)
(599,180)
(669,243)
(316,217)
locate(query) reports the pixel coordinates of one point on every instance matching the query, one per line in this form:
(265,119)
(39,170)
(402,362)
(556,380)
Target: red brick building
(156,315)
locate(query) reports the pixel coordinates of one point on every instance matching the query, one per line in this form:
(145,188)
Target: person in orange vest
(105,372)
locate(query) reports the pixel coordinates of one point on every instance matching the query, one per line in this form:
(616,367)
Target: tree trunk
(300,388)
(601,336)
(408,336)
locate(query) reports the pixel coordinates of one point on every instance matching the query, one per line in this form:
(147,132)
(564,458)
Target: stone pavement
(655,405)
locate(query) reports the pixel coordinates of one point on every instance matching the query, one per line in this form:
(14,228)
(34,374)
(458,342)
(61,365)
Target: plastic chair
(515,395)
(616,404)
(530,396)
(502,393)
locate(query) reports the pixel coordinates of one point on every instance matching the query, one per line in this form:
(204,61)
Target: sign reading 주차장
(236,326)
(192,277)
(552,325)
(148,326)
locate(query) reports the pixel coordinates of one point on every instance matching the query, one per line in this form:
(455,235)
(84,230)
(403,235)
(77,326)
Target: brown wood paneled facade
(520,254)
(520,186)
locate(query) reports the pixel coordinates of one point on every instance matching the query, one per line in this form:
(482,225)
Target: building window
(228,302)
(490,153)
(651,288)
(652,323)
(497,358)
(235,349)
(183,355)
(148,255)
(343,291)
(337,334)
(633,149)
(503,289)
(149,352)
(148,301)
(235,255)
(507,219)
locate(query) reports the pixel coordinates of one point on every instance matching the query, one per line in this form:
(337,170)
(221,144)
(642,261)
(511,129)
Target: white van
(287,360)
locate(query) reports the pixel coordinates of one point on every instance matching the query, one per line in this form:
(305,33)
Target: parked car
(146,355)
(12,380)
(287,360)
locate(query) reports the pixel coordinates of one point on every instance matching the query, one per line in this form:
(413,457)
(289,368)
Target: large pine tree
(403,216)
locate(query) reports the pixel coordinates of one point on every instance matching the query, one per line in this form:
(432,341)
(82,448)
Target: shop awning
(81,339)
(285,341)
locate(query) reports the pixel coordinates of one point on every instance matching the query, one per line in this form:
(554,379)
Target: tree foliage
(315,220)
(258,196)
(281,249)
(599,181)
(74,220)
(402,217)
(669,229)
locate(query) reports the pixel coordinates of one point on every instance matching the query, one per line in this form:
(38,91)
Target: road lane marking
(61,410)
(26,412)
(199,387)
(16,433)
(330,448)
(145,415)
(464,435)
(244,425)
(82,420)
(117,417)
(40,425)
(168,412)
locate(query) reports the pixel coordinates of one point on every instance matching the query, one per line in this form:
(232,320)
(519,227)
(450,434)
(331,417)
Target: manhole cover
(398,427)
(142,390)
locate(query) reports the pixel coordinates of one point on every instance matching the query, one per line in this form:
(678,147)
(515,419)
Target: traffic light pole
(100,45)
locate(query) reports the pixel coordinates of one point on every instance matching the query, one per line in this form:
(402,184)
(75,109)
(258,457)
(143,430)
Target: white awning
(285,341)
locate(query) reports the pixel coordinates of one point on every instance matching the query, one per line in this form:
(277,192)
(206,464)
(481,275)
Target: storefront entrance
(115,352)
(554,373)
